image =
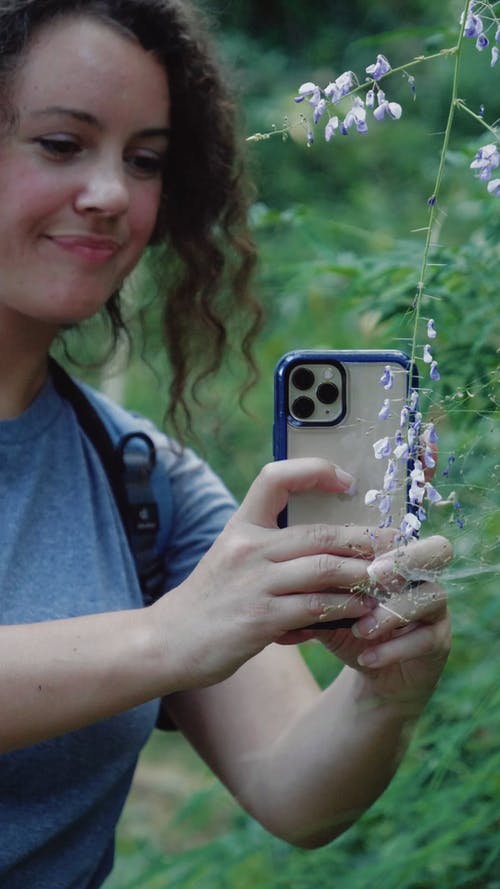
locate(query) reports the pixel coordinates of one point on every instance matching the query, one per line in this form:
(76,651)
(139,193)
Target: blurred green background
(337,228)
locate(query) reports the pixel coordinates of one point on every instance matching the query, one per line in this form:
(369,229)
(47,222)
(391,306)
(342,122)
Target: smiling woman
(203,202)
(118,135)
(85,179)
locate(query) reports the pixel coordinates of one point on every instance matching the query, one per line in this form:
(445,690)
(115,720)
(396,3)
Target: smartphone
(334,404)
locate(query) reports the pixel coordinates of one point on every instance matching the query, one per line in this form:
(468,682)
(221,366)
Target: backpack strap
(129,458)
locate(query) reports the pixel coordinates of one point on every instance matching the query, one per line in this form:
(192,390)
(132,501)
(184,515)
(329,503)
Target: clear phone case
(327,404)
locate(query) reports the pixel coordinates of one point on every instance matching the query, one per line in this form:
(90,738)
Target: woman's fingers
(417,561)
(427,636)
(422,642)
(341,540)
(320,572)
(268,495)
(300,610)
(416,600)
(425,603)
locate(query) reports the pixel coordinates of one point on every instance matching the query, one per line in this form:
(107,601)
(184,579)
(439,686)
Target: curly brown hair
(206,254)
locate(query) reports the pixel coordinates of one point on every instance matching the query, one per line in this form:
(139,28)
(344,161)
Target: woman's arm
(57,676)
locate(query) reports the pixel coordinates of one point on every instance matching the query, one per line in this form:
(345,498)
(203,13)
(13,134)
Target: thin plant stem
(477,117)
(433,200)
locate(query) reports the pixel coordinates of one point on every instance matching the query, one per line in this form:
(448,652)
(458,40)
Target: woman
(116,135)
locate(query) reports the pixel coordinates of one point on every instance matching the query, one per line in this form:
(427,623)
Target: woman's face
(81,173)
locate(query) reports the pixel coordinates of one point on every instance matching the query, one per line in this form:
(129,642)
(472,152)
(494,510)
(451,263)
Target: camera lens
(302,378)
(327,393)
(303,407)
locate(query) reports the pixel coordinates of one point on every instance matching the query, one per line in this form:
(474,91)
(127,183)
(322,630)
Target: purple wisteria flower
(433,496)
(431,329)
(392,109)
(417,487)
(429,461)
(410,526)
(355,117)
(309,91)
(380,68)
(371,496)
(486,160)
(382,448)
(401,449)
(473,25)
(434,372)
(390,476)
(450,462)
(430,435)
(331,127)
(319,110)
(420,488)
(340,87)
(385,411)
(387,378)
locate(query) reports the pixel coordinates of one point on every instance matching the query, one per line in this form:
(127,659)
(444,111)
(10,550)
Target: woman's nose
(104,191)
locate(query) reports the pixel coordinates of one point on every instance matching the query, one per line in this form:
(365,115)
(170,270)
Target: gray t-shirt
(63,553)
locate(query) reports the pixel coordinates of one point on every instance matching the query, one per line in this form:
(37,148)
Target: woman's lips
(87,247)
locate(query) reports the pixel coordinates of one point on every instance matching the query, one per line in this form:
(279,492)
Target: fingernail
(364,627)
(346,480)
(367,658)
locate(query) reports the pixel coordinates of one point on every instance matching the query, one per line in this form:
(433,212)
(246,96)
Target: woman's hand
(402,645)
(259,584)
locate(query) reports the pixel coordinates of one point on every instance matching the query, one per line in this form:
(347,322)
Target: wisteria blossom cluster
(324,100)
(486,160)
(480,19)
(476,29)
(413,441)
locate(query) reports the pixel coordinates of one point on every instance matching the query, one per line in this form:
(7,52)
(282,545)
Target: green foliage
(320,32)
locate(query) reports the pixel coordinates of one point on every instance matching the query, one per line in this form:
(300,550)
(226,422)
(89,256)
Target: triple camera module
(315,393)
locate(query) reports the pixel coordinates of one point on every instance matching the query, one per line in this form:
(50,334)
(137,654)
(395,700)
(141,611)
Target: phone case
(334,404)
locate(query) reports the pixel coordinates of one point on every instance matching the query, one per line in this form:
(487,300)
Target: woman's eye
(58,146)
(146,165)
